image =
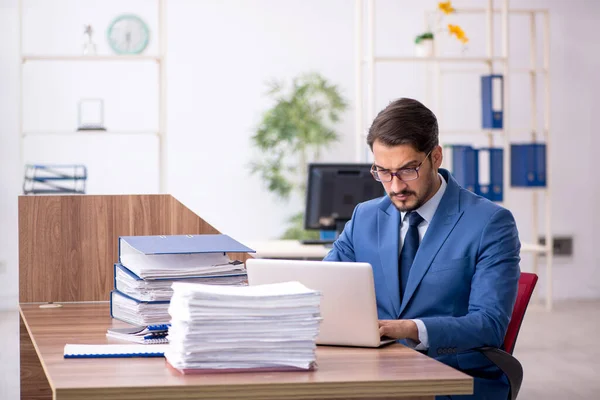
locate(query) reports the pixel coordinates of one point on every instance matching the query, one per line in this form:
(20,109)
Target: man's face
(408,195)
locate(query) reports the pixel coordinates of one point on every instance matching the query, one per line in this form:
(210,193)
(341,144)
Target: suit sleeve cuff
(423,338)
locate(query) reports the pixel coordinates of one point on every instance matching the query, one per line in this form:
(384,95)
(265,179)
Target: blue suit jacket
(464,279)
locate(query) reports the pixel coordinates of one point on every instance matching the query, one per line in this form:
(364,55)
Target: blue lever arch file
(179,256)
(138,313)
(465,167)
(528,165)
(159,289)
(484,177)
(492,174)
(184,244)
(492,101)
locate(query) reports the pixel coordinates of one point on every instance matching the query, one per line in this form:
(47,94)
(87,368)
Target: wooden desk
(392,372)
(287,249)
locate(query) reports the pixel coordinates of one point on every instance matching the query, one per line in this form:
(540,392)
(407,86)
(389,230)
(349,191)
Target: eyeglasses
(404,174)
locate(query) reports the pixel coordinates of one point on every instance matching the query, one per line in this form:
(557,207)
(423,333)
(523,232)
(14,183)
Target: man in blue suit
(445,261)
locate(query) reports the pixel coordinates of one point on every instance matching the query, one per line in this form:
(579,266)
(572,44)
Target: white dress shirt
(426,211)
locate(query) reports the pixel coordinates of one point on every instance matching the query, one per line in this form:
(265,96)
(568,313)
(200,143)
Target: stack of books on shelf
(54,179)
(263,327)
(149,265)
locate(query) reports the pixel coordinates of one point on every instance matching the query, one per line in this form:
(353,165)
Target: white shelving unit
(161,83)
(365,73)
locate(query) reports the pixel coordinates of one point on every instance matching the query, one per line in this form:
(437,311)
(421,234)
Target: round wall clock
(128,34)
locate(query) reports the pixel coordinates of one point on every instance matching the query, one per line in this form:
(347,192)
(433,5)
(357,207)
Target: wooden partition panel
(68,244)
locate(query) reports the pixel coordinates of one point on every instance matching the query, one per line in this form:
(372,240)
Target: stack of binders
(54,179)
(149,265)
(479,170)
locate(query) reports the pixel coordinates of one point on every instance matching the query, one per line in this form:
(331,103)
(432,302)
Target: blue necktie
(409,248)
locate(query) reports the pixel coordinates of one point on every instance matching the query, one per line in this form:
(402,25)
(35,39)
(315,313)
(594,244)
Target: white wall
(575,85)
(220,53)
(216,97)
(9,153)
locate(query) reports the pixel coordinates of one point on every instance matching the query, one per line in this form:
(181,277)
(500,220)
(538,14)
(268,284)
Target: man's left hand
(399,329)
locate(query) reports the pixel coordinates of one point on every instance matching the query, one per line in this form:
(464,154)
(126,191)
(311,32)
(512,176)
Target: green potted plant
(293,133)
(424,45)
(424,42)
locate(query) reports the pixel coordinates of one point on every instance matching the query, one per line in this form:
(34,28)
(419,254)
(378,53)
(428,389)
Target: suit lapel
(443,222)
(388,223)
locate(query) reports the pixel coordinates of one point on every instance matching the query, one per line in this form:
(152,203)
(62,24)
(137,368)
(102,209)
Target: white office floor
(559,352)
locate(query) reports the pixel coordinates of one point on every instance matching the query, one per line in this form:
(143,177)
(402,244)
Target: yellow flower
(446,7)
(458,32)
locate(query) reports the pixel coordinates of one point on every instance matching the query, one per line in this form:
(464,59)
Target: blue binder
(121,267)
(528,165)
(492,101)
(465,167)
(494,189)
(165,318)
(114,293)
(145,293)
(184,244)
(168,256)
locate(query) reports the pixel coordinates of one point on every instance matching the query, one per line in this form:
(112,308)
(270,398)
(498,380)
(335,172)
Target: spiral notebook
(152,334)
(113,350)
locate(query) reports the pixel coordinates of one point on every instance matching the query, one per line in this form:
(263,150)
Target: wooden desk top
(394,371)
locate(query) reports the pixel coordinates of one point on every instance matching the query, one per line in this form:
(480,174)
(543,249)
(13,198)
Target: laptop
(348,305)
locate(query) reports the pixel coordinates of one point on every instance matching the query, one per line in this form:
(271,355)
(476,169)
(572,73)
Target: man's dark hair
(405,121)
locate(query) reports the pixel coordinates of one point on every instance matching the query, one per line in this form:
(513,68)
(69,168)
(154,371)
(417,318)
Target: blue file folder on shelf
(528,165)
(491,173)
(478,170)
(492,101)
(465,167)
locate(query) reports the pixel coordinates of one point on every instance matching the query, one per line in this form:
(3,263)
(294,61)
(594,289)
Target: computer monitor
(334,190)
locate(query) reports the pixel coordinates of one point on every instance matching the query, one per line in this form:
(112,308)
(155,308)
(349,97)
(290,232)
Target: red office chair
(503,358)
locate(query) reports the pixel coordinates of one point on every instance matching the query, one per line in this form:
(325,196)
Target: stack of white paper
(248,327)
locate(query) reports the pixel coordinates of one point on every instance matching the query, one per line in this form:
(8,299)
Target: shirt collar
(428,209)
